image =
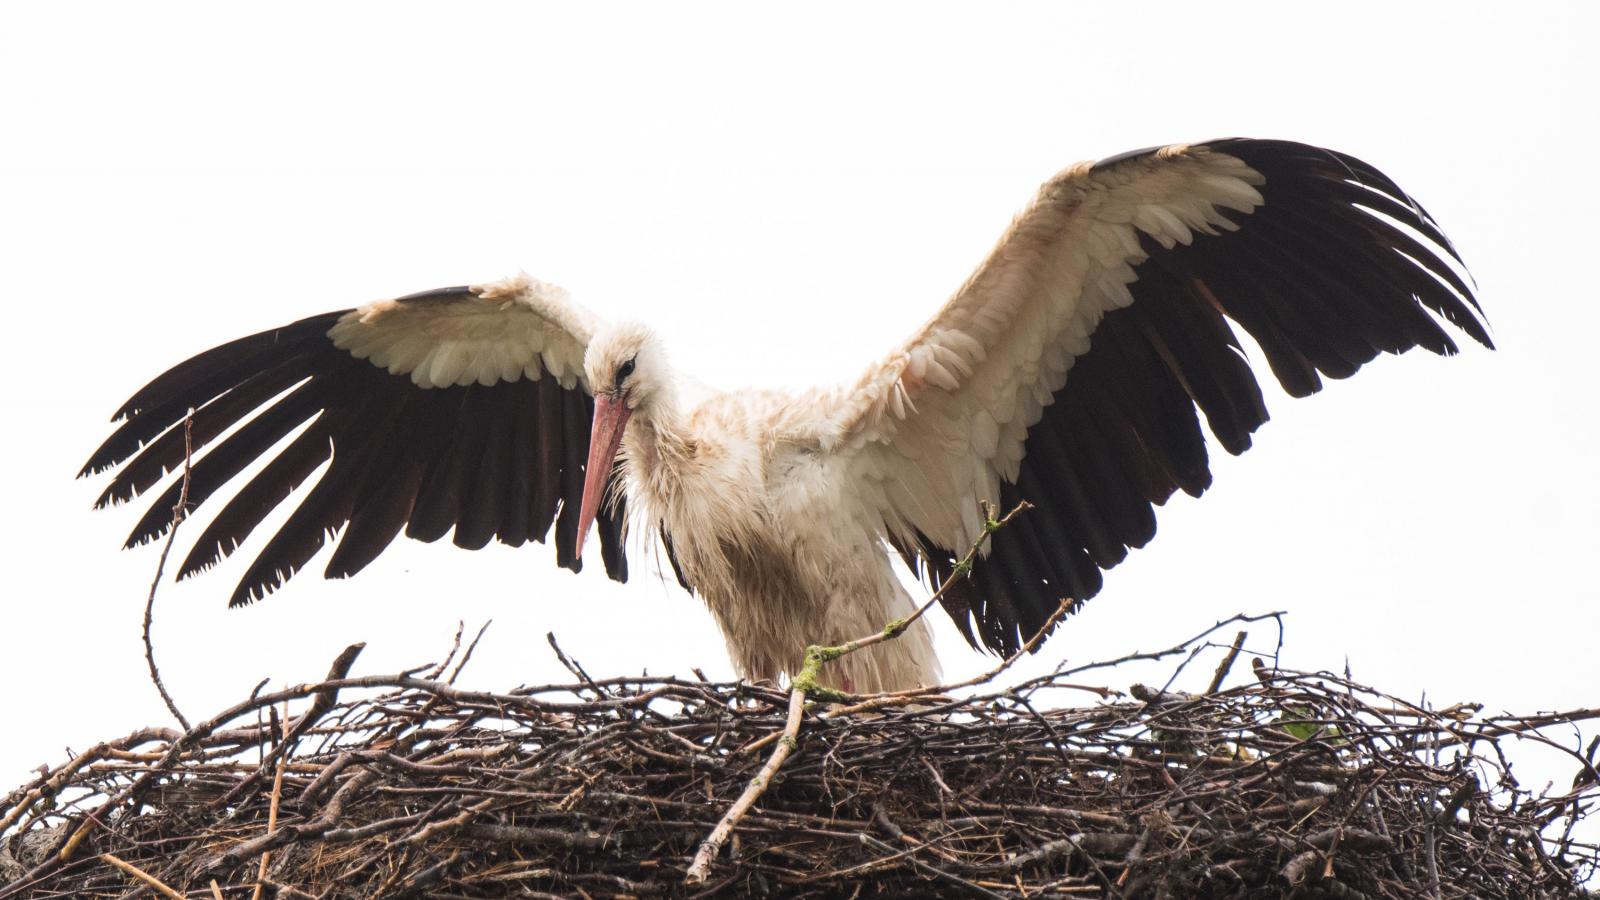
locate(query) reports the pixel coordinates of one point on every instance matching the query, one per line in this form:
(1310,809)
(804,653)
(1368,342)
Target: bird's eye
(623,371)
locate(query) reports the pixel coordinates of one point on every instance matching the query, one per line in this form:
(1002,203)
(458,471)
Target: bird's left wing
(1067,371)
(463,408)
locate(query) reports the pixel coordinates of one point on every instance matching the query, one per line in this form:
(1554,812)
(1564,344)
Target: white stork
(1068,371)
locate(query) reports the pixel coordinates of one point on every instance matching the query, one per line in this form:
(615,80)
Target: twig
(290,891)
(141,875)
(805,685)
(906,697)
(935,871)
(456,672)
(888,699)
(752,792)
(272,816)
(434,671)
(148,777)
(49,784)
(180,511)
(1227,663)
(571,664)
(816,656)
(1180,647)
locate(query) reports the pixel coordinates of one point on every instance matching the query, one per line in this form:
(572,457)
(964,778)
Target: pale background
(784,194)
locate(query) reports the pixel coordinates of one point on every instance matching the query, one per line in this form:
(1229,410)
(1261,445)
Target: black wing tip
(94,466)
(1271,155)
(1402,206)
(471,540)
(129,409)
(110,454)
(108,500)
(260,582)
(146,533)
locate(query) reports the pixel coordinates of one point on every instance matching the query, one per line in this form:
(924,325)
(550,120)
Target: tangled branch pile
(404,785)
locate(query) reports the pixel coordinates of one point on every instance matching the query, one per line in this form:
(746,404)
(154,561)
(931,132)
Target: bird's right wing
(463,408)
(1072,369)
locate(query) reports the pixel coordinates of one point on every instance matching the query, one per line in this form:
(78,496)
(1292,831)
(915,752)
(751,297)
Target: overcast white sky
(784,193)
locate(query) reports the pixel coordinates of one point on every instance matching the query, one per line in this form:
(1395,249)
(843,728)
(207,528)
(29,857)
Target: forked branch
(806,686)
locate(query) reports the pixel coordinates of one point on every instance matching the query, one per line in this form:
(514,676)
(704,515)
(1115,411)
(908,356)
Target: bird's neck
(655,442)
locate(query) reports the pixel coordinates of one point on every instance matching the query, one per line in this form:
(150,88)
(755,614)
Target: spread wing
(464,408)
(1073,367)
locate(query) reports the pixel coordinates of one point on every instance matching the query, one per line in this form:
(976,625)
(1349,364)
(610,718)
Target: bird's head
(625,363)
(627,372)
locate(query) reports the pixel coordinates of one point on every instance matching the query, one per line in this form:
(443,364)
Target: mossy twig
(805,686)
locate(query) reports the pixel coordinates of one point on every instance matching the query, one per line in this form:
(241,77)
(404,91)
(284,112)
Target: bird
(1072,370)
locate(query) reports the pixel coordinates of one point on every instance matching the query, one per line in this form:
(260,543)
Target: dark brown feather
(388,491)
(228,458)
(611,540)
(460,440)
(262,494)
(196,381)
(486,501)
(516,526)
(326,507)
(1320,283)
(577,410)
(485,461)
(547,470)
(672,558)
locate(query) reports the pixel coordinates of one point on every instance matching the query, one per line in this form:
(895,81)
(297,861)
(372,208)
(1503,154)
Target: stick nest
(1302,784)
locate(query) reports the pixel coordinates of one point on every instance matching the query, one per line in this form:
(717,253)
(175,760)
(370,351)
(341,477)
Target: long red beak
(610,415)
